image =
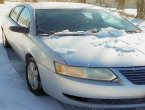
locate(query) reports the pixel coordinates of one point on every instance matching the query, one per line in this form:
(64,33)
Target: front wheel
(33,77)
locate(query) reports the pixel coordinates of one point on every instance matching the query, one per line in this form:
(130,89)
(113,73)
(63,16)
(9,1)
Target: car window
(112,20)
(48,21)
(15,13)
(24,18)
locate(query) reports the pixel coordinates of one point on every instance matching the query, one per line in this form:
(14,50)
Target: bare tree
(121,4)
(140,9)
(82,1)
(1,1)
(101,2)
(30,0)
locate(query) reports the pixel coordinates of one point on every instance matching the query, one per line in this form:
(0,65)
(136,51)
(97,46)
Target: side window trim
(21,13)
(18,14)
(11,12)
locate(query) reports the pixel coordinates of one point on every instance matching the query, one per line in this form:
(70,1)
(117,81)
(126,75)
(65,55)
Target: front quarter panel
(42,53)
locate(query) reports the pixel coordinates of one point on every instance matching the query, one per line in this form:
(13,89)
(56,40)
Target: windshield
(51,20)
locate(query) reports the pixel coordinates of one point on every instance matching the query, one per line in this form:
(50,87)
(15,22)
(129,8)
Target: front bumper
(66,89)
(100,95)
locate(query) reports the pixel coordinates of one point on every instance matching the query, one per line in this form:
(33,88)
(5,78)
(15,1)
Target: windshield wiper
(69,33)
(94,30)
(44,33)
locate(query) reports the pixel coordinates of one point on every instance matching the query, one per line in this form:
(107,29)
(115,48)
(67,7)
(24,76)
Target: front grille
(135,75)
(107,101)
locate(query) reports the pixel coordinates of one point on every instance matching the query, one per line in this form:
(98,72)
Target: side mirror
(19,29)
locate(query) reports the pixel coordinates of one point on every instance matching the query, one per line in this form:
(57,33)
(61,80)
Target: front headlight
(99,74)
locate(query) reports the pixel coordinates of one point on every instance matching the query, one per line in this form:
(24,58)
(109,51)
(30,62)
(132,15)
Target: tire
(5,41)
(33,78)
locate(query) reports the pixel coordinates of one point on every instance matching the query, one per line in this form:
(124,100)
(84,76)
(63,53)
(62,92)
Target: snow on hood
(64,51)
(110,32)
(103,33)
(122,48)
(95,51)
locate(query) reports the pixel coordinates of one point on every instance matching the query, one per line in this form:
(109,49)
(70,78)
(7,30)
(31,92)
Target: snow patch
(65,51)
(110,32)
(124,49)
(105,41)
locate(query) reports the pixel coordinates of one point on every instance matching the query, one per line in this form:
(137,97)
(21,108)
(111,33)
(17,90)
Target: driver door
(21,38)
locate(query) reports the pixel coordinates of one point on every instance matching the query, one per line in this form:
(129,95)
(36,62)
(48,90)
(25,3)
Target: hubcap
(33,76)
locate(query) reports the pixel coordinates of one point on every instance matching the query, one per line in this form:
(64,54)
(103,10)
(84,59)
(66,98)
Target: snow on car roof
(63,5)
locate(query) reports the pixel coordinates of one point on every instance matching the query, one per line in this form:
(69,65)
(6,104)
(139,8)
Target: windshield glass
(51,20)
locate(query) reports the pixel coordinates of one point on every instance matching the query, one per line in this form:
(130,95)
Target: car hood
(92,51)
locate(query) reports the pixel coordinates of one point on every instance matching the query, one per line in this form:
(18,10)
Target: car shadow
(16,62)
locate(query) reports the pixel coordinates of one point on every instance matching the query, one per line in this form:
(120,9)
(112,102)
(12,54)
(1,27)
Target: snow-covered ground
(132,12)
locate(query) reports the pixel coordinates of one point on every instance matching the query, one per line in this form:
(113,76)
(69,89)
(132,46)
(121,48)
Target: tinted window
(79,20)
(15,13)
(24,18)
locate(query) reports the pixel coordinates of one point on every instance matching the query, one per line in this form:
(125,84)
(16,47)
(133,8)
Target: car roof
(62,5)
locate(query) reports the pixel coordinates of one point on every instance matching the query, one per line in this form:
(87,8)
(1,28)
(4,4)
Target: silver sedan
(68,57)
